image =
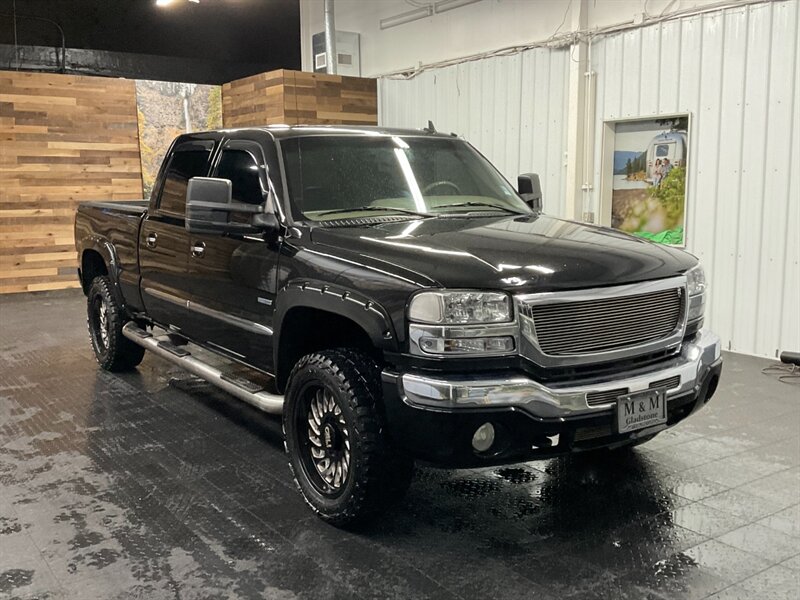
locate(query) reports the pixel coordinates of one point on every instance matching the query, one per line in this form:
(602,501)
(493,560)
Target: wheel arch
(312,317)
(98,257)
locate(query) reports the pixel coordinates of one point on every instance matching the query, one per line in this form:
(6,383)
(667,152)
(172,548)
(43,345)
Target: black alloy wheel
(326,439)
(342,459)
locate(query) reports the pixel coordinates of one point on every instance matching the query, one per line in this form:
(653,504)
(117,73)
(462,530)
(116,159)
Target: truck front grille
(670,383)
(609,396)
(605,397)
(605,324)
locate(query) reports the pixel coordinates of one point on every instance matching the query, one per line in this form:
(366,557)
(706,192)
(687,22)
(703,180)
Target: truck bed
(122,206)
(113,226)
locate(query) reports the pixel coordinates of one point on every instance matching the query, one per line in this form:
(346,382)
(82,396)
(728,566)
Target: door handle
(198,249)
(151,240)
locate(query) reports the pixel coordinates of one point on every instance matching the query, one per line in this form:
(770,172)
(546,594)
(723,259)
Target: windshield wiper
(368,208)
(473,203)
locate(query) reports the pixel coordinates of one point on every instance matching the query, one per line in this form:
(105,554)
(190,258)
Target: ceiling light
(168,2)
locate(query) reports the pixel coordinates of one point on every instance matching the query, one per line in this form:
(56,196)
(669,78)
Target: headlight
(460,307)
(696,279)
(696,284)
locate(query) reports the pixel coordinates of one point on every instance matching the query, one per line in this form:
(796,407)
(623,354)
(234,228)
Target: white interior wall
(479,27)
(736,72)
(512,109)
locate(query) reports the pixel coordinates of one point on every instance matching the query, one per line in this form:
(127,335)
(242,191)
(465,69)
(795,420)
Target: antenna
(430,128)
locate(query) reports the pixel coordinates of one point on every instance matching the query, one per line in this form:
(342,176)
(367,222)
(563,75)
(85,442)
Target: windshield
(342,177)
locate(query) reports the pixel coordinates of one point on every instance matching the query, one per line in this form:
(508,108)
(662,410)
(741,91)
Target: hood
(514,253)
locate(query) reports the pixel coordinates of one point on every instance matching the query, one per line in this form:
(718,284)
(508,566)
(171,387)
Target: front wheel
(341,457)
(114,352)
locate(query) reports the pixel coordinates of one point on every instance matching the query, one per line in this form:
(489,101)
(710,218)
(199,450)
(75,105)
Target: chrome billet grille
(604,324)
(669,383)
(605,397)
(609,396)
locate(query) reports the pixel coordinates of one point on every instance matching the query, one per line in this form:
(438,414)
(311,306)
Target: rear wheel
(342,460)
(113,351)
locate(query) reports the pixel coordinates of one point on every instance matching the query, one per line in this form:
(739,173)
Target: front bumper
(434,417)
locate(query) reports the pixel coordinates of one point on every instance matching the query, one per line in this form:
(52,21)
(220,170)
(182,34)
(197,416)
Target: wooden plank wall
(64,139)
(294,97)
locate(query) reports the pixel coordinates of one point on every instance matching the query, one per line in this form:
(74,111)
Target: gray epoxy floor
(154,485)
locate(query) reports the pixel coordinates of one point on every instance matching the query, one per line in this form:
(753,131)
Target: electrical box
(348,48)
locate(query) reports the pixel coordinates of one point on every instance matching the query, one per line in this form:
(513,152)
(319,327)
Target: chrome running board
(270,403)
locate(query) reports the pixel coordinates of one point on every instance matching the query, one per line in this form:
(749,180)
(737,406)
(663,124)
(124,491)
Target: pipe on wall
(330,38)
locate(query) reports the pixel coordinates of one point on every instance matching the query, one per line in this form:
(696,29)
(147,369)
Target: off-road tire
(378,473)
(113,351)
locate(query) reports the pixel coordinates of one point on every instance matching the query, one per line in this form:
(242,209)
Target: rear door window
(183,165)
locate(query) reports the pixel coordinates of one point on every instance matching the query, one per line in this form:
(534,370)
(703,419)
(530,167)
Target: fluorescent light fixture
(168,2)
(407,17)
(445,5)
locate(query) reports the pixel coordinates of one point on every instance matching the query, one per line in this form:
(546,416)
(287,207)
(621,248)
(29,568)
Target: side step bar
(271,403)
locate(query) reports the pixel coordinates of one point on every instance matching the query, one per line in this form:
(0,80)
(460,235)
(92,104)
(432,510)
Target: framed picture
(644,177)
(167,109)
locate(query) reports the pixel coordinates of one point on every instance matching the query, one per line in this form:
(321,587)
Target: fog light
(436,345)
(483,438)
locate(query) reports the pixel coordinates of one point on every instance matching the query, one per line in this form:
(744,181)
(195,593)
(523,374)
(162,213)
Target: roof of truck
(288,131)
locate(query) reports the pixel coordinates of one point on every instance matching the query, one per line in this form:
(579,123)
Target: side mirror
(209,207)
(530,188)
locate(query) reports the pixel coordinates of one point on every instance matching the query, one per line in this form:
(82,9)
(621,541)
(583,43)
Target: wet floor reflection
(155,484)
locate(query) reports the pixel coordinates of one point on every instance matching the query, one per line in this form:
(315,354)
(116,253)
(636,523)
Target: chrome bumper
(556,401)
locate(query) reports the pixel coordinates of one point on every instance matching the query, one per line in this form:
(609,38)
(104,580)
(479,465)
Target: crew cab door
(233,276)
(163,239)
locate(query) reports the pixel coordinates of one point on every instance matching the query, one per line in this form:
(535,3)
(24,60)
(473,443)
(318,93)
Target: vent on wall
(347,49)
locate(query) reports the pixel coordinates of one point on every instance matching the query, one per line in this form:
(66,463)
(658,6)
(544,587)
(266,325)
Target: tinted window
(183,165)
(431,175)
(242,169)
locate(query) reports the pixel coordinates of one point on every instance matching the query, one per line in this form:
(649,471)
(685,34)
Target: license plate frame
(640,410)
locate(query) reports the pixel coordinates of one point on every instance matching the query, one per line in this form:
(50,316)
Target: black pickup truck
(395,299)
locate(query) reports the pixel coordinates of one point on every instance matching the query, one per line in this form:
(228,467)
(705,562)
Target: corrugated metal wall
(513,109)
(736,72)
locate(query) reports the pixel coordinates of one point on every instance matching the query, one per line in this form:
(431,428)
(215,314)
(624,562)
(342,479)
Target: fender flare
(108,253)
(106,250)
(363,311)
